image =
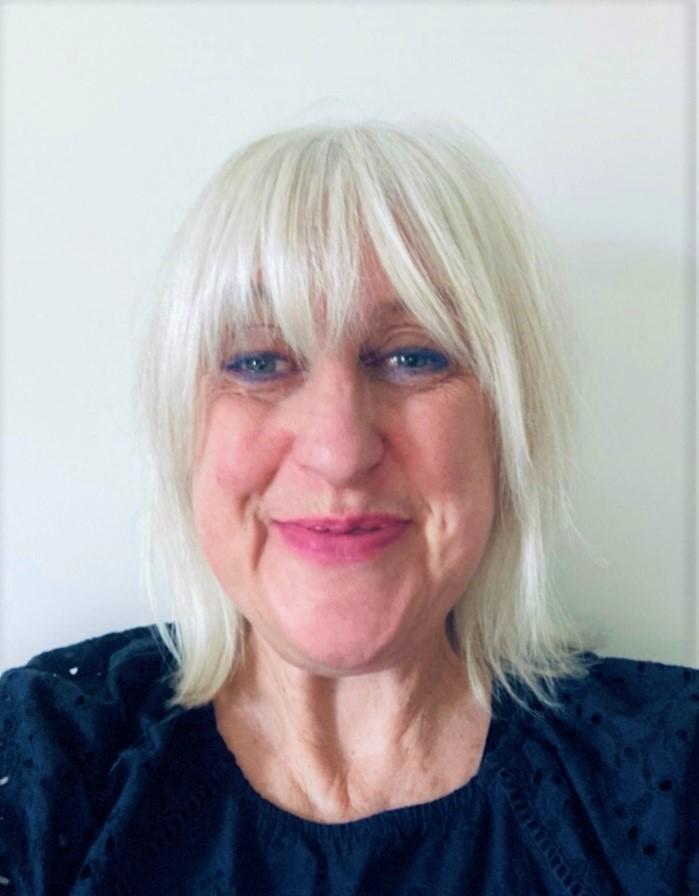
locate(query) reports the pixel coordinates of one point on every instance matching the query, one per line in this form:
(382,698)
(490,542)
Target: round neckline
(414,817)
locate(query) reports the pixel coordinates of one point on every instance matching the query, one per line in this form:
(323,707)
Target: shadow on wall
(627,575)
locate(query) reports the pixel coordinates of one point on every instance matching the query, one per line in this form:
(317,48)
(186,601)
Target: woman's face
(345,507)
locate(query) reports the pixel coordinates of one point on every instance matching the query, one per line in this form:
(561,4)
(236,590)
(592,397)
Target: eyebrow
(388,309)
(385,313)
(392,307)
(385,309)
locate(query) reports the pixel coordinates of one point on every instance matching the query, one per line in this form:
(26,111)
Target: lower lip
(329,548)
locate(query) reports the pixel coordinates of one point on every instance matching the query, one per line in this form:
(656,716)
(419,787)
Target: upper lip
(345,524)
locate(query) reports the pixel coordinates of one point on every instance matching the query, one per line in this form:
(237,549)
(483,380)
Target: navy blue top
(103,791)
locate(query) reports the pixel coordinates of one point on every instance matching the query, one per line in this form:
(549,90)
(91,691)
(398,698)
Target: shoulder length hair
(284,221)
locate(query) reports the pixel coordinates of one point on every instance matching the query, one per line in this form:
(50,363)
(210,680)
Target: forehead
(376,300)
(375,314)
(373,304)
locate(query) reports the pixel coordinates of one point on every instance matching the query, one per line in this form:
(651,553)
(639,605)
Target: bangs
(291,227)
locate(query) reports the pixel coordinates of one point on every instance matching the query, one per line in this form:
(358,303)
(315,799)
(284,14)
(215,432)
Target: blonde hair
(284,221)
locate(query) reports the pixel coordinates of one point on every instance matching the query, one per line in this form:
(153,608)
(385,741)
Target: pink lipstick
(333,540)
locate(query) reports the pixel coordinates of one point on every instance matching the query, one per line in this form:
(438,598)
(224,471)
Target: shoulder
(623,701)
(114,654)
(621,705)
(635,683)
(92,698)
(624,718)
(65,719)
(633,727)
(99,651)
(613,772)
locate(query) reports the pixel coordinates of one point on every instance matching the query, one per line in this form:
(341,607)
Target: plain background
(115,115)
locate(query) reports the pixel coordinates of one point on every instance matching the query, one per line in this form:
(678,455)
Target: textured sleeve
(64,719)
(614,779)
(647,731)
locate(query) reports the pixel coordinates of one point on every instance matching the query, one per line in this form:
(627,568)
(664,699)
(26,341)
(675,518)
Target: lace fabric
(104,791)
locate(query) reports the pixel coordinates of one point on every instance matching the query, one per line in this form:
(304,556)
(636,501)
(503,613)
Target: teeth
(348,531)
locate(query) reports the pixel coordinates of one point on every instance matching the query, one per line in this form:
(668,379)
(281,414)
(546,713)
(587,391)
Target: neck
(355,744)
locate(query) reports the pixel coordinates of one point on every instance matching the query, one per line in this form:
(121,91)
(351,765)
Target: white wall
(115,114)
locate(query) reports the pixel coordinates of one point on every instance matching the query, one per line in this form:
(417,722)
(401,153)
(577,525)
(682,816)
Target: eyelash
(429,361)
(235,365)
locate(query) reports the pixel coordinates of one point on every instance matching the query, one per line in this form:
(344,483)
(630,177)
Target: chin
(336,653)
(349,633)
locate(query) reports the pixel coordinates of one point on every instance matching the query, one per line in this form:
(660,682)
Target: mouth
(329,541)
(346,525)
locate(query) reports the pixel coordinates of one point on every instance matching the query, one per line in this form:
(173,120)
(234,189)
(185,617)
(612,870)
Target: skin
(348,672)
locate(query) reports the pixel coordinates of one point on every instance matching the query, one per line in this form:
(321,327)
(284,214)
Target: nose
(335,421)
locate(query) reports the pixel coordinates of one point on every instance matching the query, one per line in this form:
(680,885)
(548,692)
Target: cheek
(216,494)
(450,446)
(235,463)
(464,508)
(459,475)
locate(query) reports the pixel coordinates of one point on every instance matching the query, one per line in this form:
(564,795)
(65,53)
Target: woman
(359,421)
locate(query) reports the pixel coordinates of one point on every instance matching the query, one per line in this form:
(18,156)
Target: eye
(406,363)
(259,366)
